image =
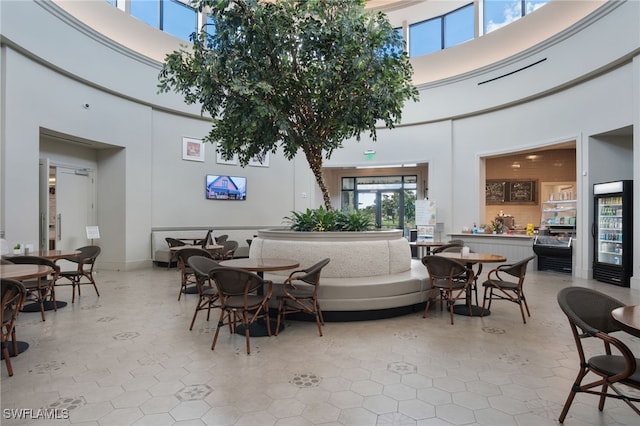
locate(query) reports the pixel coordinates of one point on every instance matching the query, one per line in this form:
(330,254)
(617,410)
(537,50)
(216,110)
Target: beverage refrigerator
(613,232)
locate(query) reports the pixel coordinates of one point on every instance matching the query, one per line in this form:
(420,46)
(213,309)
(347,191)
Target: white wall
(583,87)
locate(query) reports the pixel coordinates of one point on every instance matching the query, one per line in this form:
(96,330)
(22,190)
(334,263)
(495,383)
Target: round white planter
(353,254)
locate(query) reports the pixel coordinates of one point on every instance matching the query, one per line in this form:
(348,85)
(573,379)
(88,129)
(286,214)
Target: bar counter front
(514,247)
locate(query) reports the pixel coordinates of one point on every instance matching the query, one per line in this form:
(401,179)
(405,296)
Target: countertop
(500,236)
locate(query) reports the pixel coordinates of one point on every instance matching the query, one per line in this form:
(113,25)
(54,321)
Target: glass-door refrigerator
(613,233)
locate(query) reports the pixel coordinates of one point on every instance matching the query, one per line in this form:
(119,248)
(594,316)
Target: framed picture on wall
(260,160)
(192,149)
(221,160)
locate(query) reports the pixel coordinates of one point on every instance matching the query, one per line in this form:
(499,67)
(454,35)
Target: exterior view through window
(389,200)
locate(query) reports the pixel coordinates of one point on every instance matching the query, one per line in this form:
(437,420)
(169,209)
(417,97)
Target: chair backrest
(443,268)
(202,265)
(88,255)
(13,294)
(451,249)
(456,242)
(589,309)
(220,239)
(518,269)
(444,247)
(229,248)
(312,273)
(174,242)
(185,254)
(235,281)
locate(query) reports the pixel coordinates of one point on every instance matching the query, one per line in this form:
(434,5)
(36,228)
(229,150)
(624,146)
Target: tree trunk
(315,162)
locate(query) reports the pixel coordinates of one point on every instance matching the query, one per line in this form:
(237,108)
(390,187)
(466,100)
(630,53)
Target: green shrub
(321,220)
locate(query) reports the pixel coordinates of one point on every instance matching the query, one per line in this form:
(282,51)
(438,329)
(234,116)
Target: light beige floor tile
(128,358)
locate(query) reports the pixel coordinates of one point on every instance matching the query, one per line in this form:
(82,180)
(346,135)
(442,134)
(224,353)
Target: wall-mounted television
(222,187)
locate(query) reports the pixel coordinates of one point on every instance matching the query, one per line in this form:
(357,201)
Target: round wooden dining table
(19,273)
(47,254)
(23,271)
(628,317)
(260,265)
(470,259)
(53,255)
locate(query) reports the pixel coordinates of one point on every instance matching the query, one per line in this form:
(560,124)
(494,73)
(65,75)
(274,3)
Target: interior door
(74,207)
(43,242)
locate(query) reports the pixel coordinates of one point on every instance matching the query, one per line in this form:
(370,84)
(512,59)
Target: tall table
(260,266)
(19,273)
(471,259)
(628,317)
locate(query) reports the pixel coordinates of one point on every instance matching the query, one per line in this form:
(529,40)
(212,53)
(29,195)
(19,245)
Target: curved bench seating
(371,275)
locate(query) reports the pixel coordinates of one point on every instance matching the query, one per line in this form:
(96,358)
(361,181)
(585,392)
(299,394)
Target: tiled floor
(128,358)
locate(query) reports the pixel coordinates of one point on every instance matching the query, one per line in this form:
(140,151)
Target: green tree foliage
(321,220)
(297,74)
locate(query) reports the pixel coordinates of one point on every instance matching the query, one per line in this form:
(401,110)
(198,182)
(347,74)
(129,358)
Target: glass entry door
(389,200)
(382,205)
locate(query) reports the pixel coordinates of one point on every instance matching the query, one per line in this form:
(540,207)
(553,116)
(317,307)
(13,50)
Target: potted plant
(321,220)
(17,249)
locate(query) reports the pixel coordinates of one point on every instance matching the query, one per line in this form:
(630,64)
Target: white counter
(513,247)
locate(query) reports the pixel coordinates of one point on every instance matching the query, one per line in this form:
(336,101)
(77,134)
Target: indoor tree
(297,74)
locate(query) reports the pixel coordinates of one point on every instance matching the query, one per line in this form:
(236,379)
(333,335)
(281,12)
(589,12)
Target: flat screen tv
(222,187)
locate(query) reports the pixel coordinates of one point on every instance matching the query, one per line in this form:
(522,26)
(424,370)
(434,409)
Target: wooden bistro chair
(187,274)
(500,285)
(40,288)
(208,293)
(13,295)
(173,242)
(299,293)
(451,279)
(617,373)
(83,274)
(241,300)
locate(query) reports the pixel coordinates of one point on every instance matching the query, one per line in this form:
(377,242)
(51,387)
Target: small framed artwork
(260,160)
(221,160)
(192,149)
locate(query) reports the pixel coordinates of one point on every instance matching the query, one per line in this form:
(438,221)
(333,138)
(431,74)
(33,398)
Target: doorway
(388,200)
(67,206)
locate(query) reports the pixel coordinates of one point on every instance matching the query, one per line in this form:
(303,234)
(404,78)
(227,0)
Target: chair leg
(572,394)
(524,300)
(319,313)
(319,320)
(426,308)
(603,395)
(247,336)
(484,300)
(524,320)
(220,324)
(95,287)
(52,297)
(41,303)
(281,314)
(195,314)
